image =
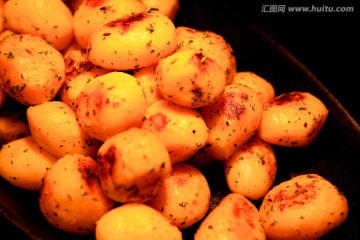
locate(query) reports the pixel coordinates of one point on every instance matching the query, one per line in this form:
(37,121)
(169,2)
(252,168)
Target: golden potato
(262,87)
(182,130)
(211,44)
(23,163)
(31,70)
(36,17)
(110,104)
(90,15)
(232,120)
(296,119)
(54,126)
(168,7)
(133,221)
(78,71)
(251,170)
(135,41)
(133,165)
(190,79)
(235,218)
(305,207)
(71,198)
(146,78)
(184,198)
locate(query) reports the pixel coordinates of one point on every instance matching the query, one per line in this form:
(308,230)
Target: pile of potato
(123,111)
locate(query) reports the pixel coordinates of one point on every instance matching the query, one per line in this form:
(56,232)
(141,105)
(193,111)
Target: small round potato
(135,41)
(36,17)
(110,104)
(211,44)
(24,163)
(133,165)
(296,119)
(190,79)
(31,70)
(54,126)
(182,130)
(71,198)
(262,87)
(251,170)
(184,197)
(305,207)
(234,218)
(90,15)
(133,221)
(232,120)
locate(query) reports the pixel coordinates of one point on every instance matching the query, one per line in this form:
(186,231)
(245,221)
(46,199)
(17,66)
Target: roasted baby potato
(71,198)
(296,119)
(305,207)
(133,165)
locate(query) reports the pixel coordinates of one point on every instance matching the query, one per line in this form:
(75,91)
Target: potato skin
(24,163)
(184,198)
(235,218)
(110,104)
(134,41)
(296,119)
(71,198)
(182,130)
(133,221)
(54,126)
(304,207)
(232,120)
(190,79)
(36,17)
(133,165)
(251,170)
(31,70)
(90,15)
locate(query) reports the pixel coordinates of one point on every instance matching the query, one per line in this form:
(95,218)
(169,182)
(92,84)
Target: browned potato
(251,170)
(134,221)
(235,218)
(131,42)
(232,120)
(304,207)
(24,163)
(296,119)
(211,44)
(71,198)
(133,165)
(182,130)
(31,70)
(190,79)
(36,17)
(184,197)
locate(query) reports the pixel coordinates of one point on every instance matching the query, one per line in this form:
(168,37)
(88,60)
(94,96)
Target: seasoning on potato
(296,119)
(131,42)
(184,198)
(133,221)
(54,126)
(71,198)
(36,17)
(305,207)
(190,79)
(31,70)
(232,120)
(23,163)
(133,165)
(236,217)
(182,130)
(252,169)
(109,104)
